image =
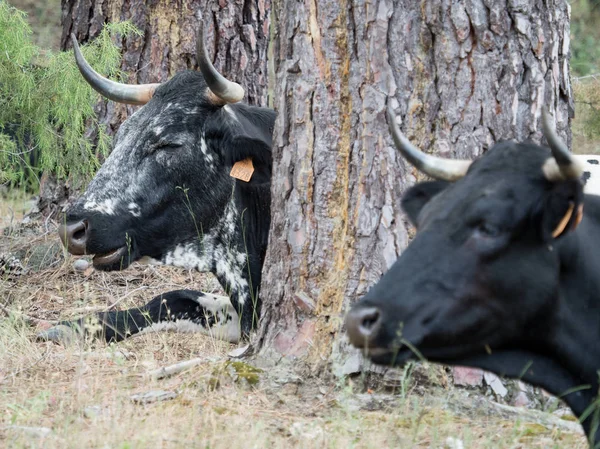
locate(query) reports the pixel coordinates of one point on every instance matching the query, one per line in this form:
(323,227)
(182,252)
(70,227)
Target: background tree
(461,76)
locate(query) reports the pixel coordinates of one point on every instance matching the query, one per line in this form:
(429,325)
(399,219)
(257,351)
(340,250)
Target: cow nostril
(363,325)
(79,233)
(74,236)
(428,319)
(370,320)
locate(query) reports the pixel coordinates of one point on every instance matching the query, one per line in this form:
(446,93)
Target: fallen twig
(167,371)
(28,318)
(126,295)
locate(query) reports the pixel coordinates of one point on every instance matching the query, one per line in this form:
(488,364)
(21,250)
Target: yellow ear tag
(242,170)
(563,223)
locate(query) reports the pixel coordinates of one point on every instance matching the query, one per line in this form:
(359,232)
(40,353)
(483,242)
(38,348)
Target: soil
(93,394)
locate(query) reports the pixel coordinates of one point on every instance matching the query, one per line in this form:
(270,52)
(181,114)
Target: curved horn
(438,168)
(226,91)
(562,165)
(122,93)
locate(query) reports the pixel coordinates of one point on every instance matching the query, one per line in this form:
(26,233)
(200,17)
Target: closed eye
(165,145)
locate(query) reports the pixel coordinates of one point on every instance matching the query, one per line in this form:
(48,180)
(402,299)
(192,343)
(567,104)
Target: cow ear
(245,138)
(252,152)
(562,210)
(418,196)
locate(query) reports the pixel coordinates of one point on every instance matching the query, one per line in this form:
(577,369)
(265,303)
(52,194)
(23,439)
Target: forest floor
(92,394)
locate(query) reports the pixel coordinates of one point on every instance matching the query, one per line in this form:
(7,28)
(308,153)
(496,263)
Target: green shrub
(46,106)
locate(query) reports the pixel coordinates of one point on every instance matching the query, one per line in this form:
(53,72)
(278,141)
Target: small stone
(352,365)
(495,384)
(521,400)
(92,411)
(467,377)
(81,265)
(306,431)
(153,396)
(453,443)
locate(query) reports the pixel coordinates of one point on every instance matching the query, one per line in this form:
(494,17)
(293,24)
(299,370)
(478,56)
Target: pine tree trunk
(461,76)
(168,45)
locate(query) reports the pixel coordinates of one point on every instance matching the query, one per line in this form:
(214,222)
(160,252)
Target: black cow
(502,274)
(165,195)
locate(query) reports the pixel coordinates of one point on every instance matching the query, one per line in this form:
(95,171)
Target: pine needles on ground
(46,106)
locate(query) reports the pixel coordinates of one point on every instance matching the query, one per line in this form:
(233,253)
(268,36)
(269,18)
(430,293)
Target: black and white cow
(503,273)
(165,195)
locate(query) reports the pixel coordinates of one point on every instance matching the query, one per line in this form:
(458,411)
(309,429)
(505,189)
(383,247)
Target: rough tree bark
(461,76)
(168,45)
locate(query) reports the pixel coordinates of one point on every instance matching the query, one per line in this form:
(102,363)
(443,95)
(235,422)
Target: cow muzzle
(75,237)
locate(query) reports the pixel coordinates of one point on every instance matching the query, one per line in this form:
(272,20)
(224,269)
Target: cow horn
(438,168)
(122,93)
(562,165)
(226,91)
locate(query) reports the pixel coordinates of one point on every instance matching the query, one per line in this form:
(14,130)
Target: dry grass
(80,396)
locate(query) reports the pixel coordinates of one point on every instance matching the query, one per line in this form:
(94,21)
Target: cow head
(166,181)
(483,271)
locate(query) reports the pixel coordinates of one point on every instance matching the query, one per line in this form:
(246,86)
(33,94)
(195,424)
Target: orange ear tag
(242,170)
(563,223)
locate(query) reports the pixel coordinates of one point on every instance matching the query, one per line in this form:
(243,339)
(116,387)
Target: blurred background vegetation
(46,107)
(47,131)
(585,74)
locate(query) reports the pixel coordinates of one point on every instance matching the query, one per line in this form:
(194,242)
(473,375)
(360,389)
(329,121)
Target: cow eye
(165,145)
(487,229)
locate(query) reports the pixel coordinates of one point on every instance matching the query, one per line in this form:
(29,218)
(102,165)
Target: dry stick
(16,373)
(126,295)
(28,318)
(167,371)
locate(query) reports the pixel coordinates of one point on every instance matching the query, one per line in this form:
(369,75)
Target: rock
(521,400)
(92,412)
(352,365)
(81,265)
(153,396)
(495,384)
(453,443)
(60,333)
(306,431)
(467,377)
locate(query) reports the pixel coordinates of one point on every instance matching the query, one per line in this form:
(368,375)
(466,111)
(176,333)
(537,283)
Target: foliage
(585,37)
(46,106)
(587,101)
(585,66)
